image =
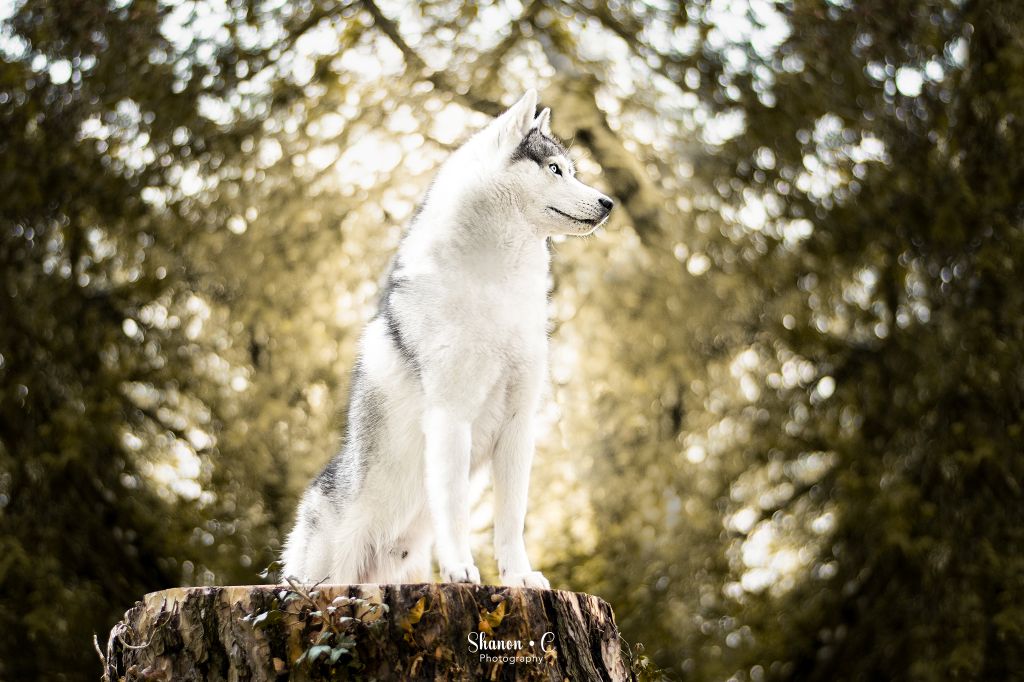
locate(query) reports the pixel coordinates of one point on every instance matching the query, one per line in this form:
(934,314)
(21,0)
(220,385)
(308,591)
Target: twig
(437,78)
(119,629)
(103,658)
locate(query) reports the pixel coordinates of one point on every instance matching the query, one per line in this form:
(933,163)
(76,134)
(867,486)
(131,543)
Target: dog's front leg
(513,455)
(448,443)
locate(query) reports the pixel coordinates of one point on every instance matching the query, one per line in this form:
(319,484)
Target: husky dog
(450,370)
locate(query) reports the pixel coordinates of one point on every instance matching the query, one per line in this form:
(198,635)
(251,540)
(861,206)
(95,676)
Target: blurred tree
(75,236)
(106,396)
(892,134)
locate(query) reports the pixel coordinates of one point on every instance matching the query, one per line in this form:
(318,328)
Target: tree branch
(422,71)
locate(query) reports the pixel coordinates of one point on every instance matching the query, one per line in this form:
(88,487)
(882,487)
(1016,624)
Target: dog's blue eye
(553,167)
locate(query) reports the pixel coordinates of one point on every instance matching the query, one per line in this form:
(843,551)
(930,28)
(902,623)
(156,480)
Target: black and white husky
(451,369)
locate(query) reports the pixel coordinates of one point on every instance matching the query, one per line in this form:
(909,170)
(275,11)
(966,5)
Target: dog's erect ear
(513,125)
(543,121)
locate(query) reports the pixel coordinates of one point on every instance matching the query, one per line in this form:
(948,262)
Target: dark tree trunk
(387,632)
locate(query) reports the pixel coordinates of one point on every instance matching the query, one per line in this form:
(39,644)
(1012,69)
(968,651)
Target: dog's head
(539,175)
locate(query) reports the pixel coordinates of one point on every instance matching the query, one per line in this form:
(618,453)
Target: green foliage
(328,630)
(640,664)
(783,437)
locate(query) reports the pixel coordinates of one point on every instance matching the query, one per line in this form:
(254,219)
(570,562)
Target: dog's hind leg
(416,559)
(328,544)
(300,555)
(407,558)
(417,545)
(307,554)
(351,547)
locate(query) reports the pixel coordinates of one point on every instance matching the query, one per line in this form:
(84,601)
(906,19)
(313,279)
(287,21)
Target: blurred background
(784,431)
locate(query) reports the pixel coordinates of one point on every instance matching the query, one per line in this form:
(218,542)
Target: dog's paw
(529,579)
(460,573)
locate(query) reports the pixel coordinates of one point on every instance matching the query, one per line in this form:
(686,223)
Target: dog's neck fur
(484,232)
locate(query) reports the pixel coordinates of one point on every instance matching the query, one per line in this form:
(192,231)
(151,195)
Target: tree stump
(385,632)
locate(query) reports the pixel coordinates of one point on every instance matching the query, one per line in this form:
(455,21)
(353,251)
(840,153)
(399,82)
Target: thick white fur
(471,310)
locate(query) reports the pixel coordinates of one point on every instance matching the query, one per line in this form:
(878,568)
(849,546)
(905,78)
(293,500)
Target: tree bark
(385,632)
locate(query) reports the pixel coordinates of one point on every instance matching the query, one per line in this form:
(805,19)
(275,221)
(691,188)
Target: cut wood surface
(386,632)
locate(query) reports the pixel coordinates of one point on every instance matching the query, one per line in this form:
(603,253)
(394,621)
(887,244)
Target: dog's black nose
(606,202)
